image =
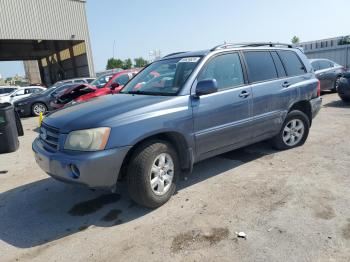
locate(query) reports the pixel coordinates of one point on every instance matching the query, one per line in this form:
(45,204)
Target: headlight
(88,140)
(22,103)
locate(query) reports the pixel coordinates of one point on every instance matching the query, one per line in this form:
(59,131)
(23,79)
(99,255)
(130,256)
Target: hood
(103,110)
(73,88)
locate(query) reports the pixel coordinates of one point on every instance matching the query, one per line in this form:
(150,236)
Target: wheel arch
(176,139)
(303,106)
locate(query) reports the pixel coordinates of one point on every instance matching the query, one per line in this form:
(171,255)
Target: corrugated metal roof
(43,19)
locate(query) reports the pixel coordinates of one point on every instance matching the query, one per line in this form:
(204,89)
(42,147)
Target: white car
(21,92)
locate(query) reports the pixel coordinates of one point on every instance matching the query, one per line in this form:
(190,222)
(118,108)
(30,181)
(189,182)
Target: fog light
(75,171)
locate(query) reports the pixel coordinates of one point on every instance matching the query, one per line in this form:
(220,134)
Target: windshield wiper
(139,92)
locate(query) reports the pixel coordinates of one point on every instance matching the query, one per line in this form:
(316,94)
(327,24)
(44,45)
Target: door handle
(244,94)
(286,84)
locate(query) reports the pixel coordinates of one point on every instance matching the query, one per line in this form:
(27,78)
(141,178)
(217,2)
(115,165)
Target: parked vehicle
(71,94)
(86,92)
(202,104)
(5,90)
(328,72)
(80,80)
(344,87)
(40,102)
(21,92)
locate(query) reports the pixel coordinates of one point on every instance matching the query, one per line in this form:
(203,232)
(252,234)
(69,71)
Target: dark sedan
(328,72)
(39,103)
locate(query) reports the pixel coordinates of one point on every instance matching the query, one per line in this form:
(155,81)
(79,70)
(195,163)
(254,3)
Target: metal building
(52,32)
(336,49)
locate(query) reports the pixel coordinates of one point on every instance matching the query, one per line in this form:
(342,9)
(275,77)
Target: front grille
(49,137)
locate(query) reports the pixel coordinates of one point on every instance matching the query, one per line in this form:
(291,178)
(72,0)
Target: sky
(138,26)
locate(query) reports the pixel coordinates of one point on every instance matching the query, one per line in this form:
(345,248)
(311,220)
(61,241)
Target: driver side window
(226,69)
(121,80)
(20,93)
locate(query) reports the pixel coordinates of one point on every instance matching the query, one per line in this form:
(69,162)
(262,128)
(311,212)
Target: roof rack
(177,53)
(253,44)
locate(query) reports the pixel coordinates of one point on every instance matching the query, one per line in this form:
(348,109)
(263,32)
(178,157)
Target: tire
(281,141)
(140,173)
(37,108)
(336,84)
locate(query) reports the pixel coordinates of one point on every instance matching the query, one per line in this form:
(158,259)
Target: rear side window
(279,66)
(324,64)
(315,65)
(260,66)
(122,80)
(292,63)
(226,69)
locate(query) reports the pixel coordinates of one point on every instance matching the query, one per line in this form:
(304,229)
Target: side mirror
(206,87)
(114,86)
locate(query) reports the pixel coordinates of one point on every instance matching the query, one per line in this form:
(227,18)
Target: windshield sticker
(189,60)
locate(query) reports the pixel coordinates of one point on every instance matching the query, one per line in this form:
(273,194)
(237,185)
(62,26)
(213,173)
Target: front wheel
(152,173)
(294,131)
(38,108)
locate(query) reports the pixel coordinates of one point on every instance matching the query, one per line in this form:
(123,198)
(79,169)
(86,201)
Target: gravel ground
(293,206)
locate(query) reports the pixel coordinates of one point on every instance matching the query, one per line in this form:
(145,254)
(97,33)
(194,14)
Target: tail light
(318,88)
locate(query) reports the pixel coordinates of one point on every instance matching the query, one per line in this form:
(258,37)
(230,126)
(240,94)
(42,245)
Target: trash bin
(10,128)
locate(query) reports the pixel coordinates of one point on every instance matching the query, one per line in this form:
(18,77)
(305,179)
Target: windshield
(101,81)
(164,77)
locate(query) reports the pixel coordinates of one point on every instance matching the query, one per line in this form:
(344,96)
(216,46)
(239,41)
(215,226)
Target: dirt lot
(293,206)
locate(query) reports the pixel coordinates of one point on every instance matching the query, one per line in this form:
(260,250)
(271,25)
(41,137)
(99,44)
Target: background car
(40,102)
(328,72)
(344,87)
(20,93)
(4,90)
(70,94)
(99,87)
(81,80)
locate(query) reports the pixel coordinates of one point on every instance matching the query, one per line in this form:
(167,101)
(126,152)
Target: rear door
(326,74)
(222,119)
(273,91)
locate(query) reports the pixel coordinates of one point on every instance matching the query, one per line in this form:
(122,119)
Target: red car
(104,85)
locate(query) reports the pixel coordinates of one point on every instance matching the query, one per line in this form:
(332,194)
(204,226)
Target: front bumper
(23,110)
(97,169)
(315,106)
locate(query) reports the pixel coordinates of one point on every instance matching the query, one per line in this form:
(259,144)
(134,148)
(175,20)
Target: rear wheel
(294,131)
(153,173)
(336,84)
(38,108)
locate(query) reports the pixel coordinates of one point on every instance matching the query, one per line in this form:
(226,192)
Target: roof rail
(253,44)
(177,53)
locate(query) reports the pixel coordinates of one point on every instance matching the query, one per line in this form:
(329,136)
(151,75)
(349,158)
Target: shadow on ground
(46,210)
(338,104)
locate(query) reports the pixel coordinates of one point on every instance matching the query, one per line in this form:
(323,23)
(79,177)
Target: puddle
(196,239)
(91,206)
(111,215)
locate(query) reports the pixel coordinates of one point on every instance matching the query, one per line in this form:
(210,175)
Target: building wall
(331,48)
(46,20)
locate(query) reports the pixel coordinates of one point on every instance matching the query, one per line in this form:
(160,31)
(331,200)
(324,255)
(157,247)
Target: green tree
(127,64)
(140,62)
(295,40)
(114,63)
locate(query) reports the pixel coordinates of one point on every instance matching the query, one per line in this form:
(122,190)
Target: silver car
(328,72)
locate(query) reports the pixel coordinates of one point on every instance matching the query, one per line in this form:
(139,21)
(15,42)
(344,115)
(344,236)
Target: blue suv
(180,110)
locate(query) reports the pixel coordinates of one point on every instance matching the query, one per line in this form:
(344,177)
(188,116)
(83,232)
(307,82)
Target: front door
(222,119)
